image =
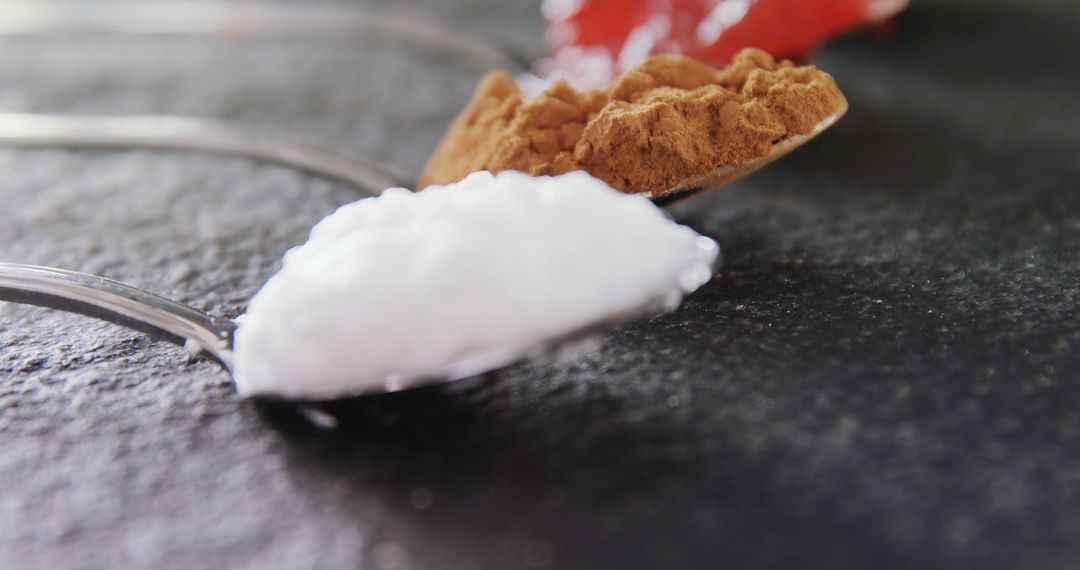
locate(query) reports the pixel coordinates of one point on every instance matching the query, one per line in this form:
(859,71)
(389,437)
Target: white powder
(393,291)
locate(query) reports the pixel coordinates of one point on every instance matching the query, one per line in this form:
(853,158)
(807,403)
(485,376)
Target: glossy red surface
(606,37)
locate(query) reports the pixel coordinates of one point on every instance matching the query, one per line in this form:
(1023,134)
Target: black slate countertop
(886,375)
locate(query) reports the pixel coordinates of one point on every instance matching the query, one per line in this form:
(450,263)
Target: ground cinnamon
(670,120)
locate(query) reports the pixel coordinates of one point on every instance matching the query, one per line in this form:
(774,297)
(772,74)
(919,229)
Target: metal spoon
(206,335)
(36,130)
(361,174)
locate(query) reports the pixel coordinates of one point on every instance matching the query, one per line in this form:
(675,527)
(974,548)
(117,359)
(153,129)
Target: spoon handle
(115,302)
(254,20)
(191,134)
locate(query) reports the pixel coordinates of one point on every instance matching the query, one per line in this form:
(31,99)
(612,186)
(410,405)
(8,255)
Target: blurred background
(884,375)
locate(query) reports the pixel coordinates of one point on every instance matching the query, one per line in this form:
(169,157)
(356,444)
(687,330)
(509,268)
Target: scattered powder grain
(671,120)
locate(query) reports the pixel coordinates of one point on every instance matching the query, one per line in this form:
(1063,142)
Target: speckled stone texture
(886,375)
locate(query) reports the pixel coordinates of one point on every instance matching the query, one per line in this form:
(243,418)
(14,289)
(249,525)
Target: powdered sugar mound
(390,291)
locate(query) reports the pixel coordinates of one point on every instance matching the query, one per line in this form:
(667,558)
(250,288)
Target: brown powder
(670,120)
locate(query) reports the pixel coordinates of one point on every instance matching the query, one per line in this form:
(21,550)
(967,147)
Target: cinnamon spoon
(361,174)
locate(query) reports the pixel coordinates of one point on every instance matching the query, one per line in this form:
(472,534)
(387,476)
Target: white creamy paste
(393,291)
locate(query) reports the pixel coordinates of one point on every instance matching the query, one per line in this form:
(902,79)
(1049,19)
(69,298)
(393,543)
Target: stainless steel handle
(191,134)
(118,303)
(249,19)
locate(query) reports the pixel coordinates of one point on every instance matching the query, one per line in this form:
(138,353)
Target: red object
(588,36)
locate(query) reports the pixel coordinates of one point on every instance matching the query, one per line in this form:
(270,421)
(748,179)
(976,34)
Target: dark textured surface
(885,376)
